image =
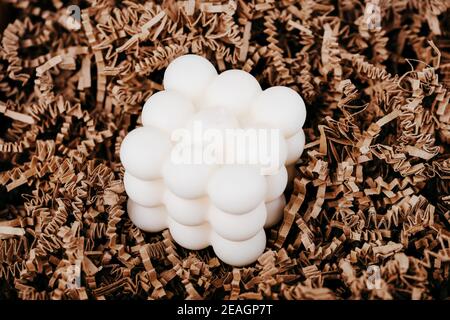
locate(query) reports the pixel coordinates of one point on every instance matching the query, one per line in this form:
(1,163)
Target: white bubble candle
(226,196)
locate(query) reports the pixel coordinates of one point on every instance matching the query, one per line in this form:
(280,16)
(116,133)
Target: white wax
(187,181)
(190,237)
(167,110)
(216,119)
(275,211)
(276,184)
(271,148)
(233,90)
(239,253)
(143,152)
(185,211)
(238,227)
(189,75)
(145,193)
(149,219)
(237,189)
(280,107)
(295,146)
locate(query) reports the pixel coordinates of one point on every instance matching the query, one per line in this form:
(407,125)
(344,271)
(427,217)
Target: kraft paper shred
(371,191)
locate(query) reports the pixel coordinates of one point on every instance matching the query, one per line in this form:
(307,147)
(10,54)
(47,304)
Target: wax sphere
(237,189)
(167,110)
(143,152)
(280,107)
(185,211)
(187,180)
(239,253)
(233,90)
(276,184)
(145,193)
(152,219)
(275,211)
(238,227)
(190,237)
(295,146)
(189,75)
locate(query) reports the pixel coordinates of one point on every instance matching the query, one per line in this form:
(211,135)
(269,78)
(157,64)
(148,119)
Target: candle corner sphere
(167,110)
(189,75)
(233,90)
(137,152)
(239,253)
(280,107)
(149,219)
(237,189)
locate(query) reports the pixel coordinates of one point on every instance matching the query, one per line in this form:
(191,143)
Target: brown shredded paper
(368,210)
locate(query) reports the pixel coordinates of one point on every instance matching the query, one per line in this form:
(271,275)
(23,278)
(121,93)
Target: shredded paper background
(370,204)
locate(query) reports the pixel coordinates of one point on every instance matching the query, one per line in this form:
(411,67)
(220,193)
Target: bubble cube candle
(222,203)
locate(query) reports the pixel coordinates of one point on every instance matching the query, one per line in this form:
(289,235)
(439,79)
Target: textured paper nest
(372,186)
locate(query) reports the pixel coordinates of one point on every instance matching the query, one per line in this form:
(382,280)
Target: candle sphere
(206,119)
(275,211)
(187,180)
(276,184)
(145,193)
(237,189)
(189,75)
(185,211)
(143,152)
(295,146)
(280,107)
(238,227)
(167,110)
(239,253)
(190,237)
(233,90)
(149,219)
